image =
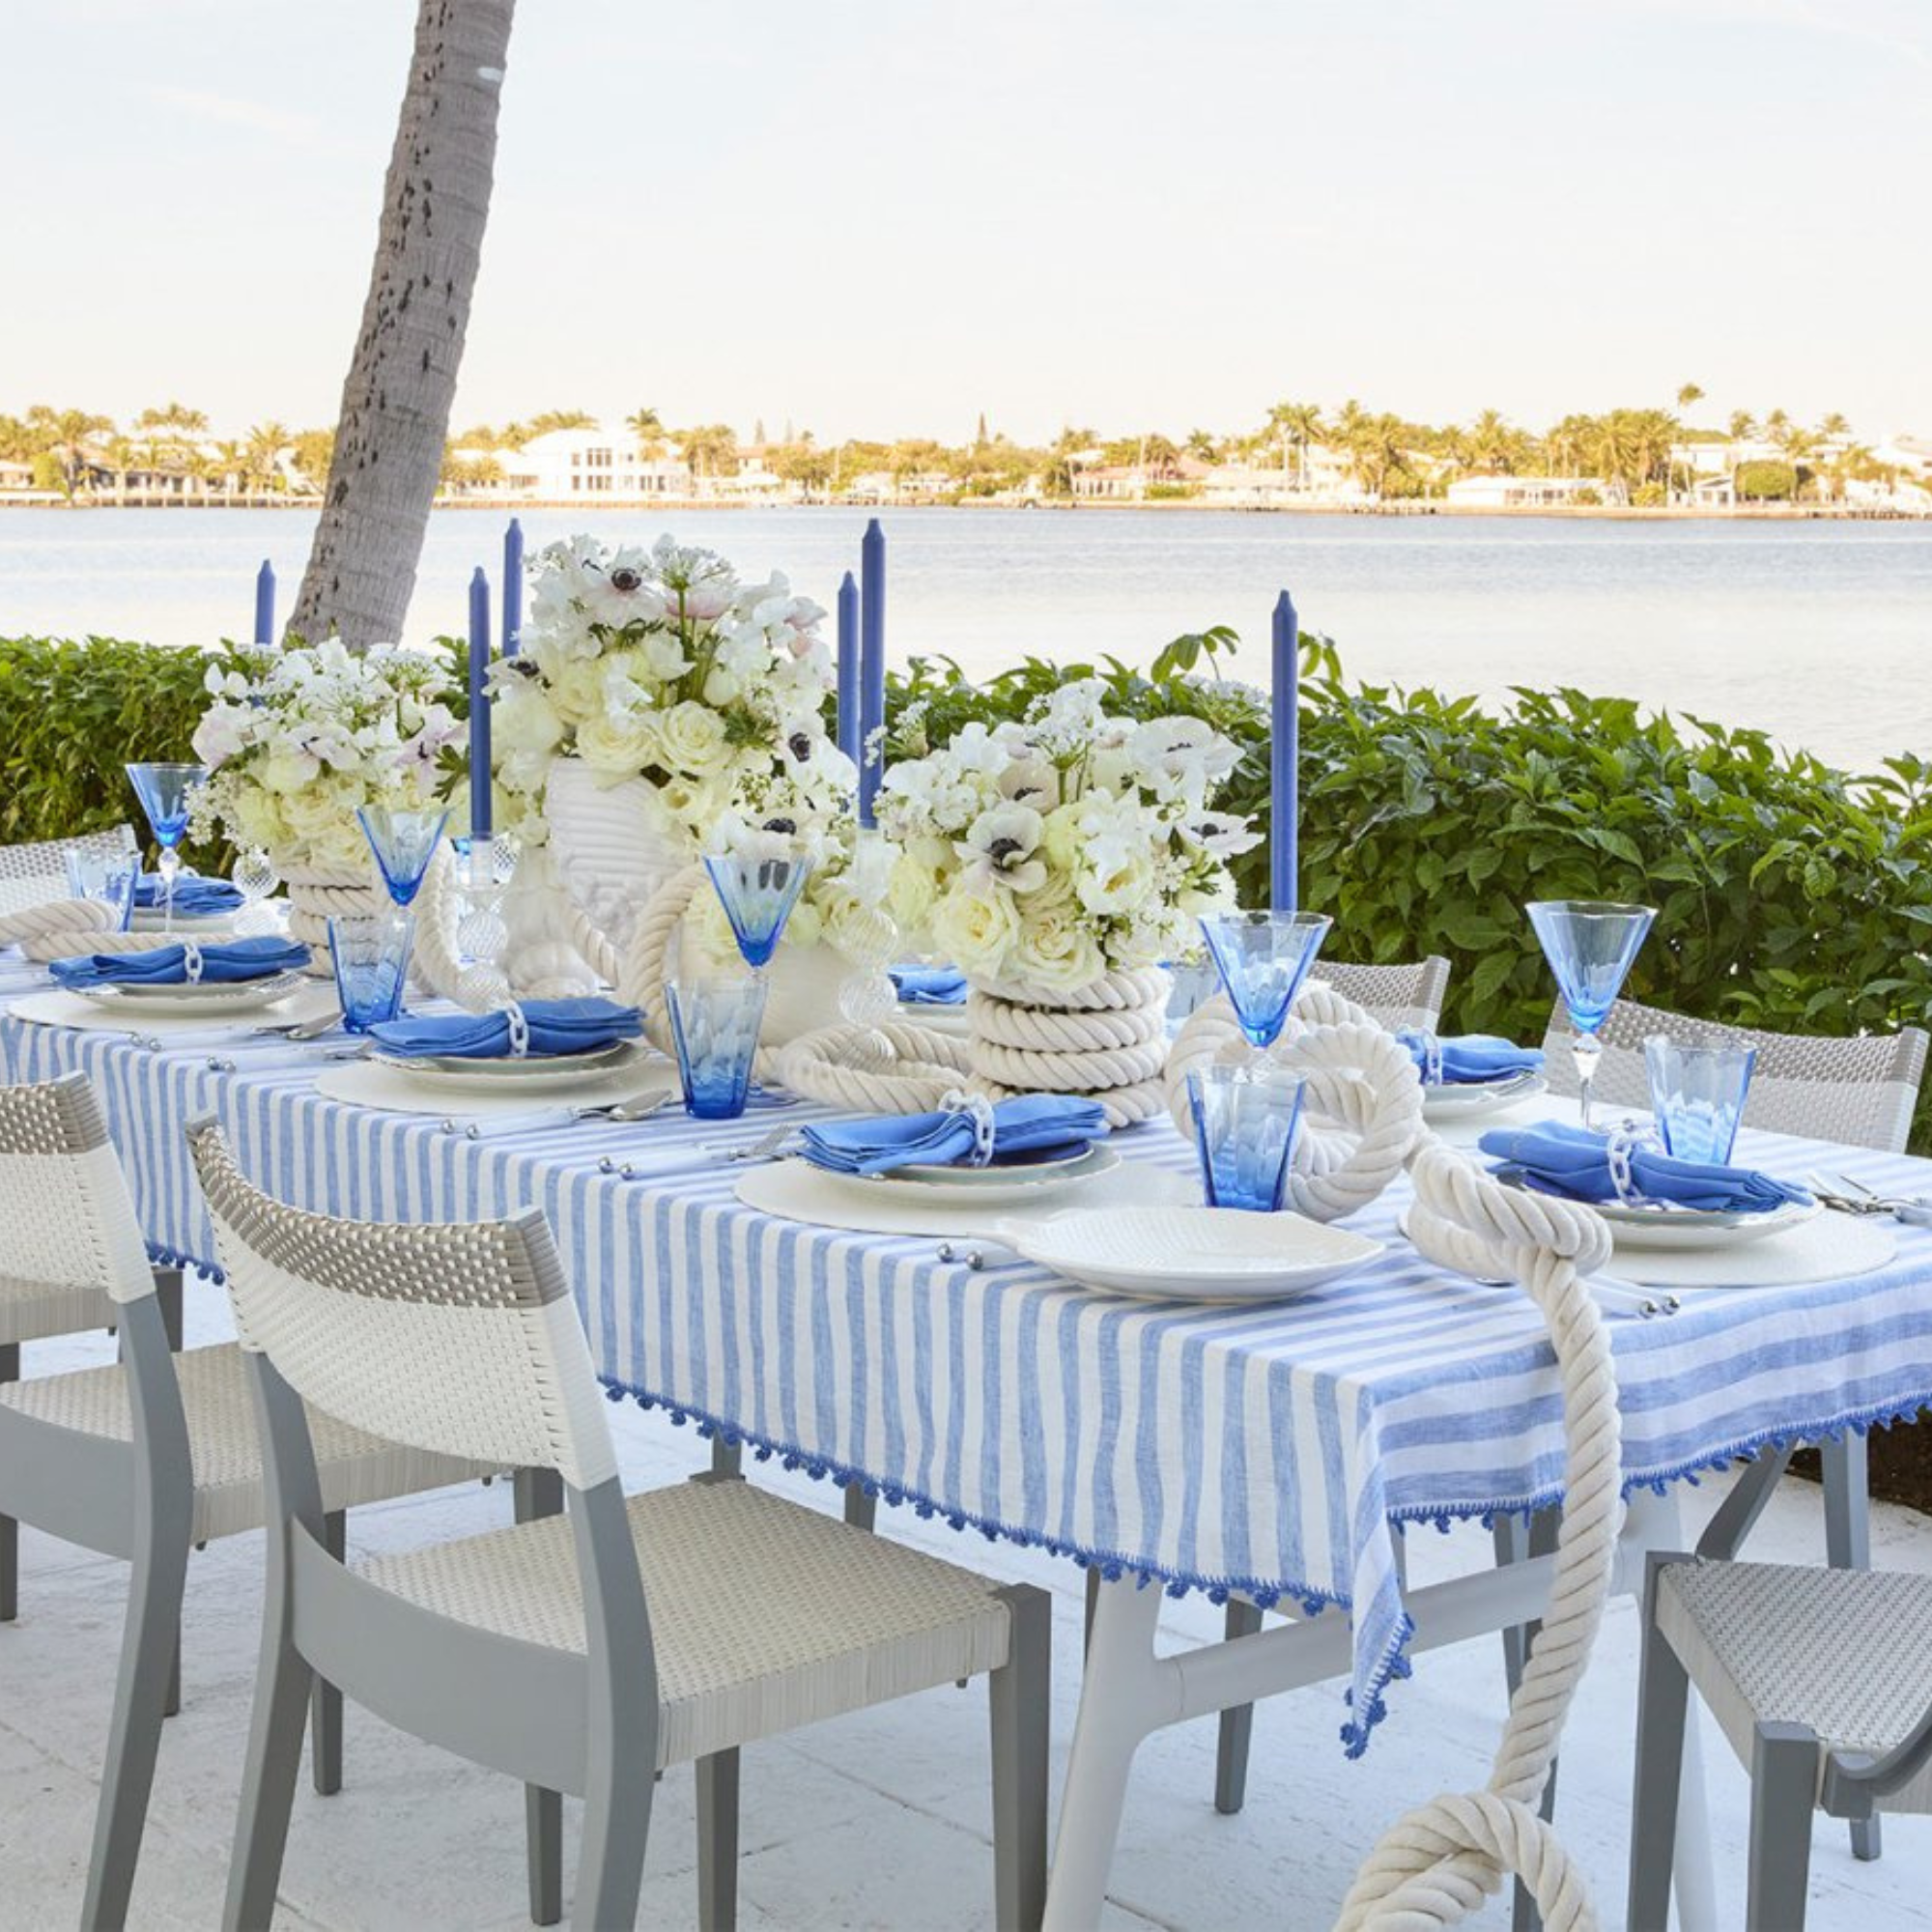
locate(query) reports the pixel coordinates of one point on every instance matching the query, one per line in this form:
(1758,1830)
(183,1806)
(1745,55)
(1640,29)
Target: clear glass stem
(1588,1049)
(170,867)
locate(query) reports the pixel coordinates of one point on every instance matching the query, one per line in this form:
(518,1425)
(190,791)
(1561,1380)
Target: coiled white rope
(66,929)
(1441,1861)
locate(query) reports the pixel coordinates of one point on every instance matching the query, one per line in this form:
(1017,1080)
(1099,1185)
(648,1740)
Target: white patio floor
(880,1820)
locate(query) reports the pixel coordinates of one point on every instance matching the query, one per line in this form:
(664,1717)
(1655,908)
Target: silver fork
(637,1107)
(767,1147)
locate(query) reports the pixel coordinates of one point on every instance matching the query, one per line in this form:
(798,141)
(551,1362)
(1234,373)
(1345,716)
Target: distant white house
(600,464)
(1521,493)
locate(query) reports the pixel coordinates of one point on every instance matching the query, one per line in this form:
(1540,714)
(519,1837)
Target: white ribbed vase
(1106,1041)
(607,848)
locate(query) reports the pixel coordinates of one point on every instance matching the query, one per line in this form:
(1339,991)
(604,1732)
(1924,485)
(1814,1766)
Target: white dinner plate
(197,997)
(1009,1186)
(1194,1254)
(1659,1226)
(541,1073)
(1470,1099)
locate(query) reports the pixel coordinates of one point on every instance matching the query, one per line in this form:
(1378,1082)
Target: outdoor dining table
(1275,1451)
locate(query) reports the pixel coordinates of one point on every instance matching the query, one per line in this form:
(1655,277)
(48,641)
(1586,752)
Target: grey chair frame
(1786,1786)
(578,1724)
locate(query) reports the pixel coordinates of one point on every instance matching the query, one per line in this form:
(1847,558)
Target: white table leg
(1120,1701)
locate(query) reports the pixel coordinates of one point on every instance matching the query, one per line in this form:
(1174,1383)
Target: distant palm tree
(1688,393)
(1744,425)
(1376,450)
(1203,445)
(1834,424)
(1295,425)
(1492,444)
(647,426)
(266,442)
(710,449)
(68,436)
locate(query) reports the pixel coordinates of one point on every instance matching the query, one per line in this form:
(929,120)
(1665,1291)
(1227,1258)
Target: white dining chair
(142,1459)
(35,873)
(586,1653)
(1820,1679)
(1392,996)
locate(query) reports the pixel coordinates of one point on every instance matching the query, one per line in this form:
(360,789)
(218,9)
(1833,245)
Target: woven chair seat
(764,1615)
(1845,1652)
(1392,996)
(30,1310)
(354,1469)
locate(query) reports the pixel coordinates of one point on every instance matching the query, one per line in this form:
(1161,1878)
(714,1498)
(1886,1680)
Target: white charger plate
(544,1074)
(152,919)
(1688,1230)
(1194,1254)
(992,1186)
(1472,1099)
(196,997)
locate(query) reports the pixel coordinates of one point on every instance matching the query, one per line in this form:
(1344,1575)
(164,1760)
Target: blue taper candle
(871,662)
(264,603)
(479,705)
(848,668)
(513,589)
(1284,758)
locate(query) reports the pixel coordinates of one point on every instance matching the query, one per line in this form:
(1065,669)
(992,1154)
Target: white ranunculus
(975,929)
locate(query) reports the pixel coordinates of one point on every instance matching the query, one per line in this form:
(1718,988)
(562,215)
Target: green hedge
(1792,896)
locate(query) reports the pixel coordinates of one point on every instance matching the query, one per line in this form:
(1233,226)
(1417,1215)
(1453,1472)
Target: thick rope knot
(66,929)
(1362,1108)
(1439,1864)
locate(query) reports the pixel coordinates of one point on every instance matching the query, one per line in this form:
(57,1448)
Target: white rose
(576,688)
(524,720)
(287,771)
(1057,950)
(975,929)
(690,738)
(618,745)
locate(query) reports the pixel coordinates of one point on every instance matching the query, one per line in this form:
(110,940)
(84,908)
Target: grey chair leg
(1093,1604)
(728,1459)
(267,1780)
(610,1856)
(1848,1546)
(862,1510)
(718,1842)
(10,1530)
(1021,1695)
(1663,1696)
(1515,1540)
(537,1493)
(168,1296)
(1784,1787)
(134,1733)
(1237,1723)
(325,1700)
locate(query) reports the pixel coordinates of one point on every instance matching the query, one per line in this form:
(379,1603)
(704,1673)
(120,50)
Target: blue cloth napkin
(1474,1057)
(930,985)
(1031,1123)
(195,897)
(1561,1159)
(228,962)
(556,1026)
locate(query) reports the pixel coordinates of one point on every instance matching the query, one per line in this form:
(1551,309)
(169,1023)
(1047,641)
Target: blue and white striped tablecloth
(1270,1449)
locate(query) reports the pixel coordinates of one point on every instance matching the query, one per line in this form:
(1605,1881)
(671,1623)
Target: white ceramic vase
(607,849)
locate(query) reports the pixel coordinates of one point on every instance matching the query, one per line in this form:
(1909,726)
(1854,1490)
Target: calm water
(1820,633)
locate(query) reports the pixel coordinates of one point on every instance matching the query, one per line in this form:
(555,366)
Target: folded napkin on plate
(195,897)
(930,986)
(1567,1160)
(224,962)
(555,1026)
(1031,1123)
(1474,1057)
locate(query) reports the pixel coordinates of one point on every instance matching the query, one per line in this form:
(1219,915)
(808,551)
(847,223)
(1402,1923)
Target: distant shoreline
(1402,508)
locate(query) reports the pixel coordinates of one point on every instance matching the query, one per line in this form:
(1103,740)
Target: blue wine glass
(164,791)
(1590,945)
(758,894)
(1263,958)
(404,842)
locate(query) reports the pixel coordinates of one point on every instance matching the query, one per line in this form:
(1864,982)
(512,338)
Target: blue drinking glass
(110,877)
(1245,1123)
(1589,943)
(758,895)
(164,791)
(1697,1093)
(714,1026)
(371,956)
(1263,958)
(404,842)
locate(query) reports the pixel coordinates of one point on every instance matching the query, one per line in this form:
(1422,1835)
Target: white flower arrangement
(660,665)
(297,740)
(1052,851)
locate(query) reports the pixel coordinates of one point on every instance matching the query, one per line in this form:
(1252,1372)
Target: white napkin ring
(978,1110)
(1625,1144)
(520,1031)
(191,962)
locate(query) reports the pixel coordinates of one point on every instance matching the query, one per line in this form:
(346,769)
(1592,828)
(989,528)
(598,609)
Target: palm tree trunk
(402,377)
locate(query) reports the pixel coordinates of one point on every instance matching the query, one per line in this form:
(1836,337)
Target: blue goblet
(1263,958)
(404,842)
(1590,945)
(164,791)
(758,894)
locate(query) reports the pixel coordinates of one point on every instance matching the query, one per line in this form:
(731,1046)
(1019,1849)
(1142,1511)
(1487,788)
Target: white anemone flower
(998,849)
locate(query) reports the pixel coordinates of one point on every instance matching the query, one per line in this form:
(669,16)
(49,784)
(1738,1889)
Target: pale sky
(873,218)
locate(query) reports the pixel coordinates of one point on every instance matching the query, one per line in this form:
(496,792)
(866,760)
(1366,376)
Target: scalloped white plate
(451,1073)
(994,1186)
(1472,1099)
(197,997)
